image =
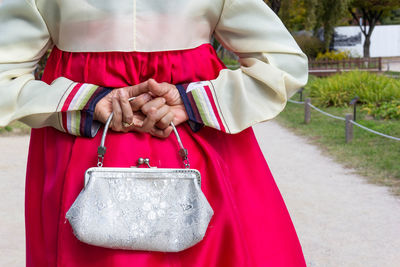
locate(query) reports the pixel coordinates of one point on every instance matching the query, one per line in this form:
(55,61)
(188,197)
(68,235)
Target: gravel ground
(341,220)
(13,155)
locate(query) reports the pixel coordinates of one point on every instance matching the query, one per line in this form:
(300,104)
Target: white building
(385,40)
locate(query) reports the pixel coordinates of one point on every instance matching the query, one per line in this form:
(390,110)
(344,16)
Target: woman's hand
(125,112)
(156,105)
(166,107)
(172,98)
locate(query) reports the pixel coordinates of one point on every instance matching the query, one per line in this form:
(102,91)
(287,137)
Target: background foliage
(310,45)
(376,92)
(322,16)
(333,55)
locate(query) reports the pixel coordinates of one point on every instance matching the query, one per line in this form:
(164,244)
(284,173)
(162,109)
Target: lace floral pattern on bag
(154,211)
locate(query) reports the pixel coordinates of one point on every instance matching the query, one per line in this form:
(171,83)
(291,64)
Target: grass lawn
(15,128)
(373,156)
(393,74)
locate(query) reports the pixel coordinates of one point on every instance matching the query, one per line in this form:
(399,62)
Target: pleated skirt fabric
(251,225)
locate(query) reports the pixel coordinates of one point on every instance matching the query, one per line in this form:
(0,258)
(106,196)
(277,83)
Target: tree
(294,15)
(392,18)
(310,14)
(274,4)
(370,12)
(327,15)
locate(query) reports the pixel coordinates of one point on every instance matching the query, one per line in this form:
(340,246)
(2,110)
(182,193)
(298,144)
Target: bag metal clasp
(142,161)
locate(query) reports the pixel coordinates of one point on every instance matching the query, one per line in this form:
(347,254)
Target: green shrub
(387,110)
(372,89)
(6,129)
(41,65)
(230,61)
(333,55)
(310,45)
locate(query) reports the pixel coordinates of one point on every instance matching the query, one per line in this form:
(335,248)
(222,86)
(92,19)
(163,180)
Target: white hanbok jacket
(272,65)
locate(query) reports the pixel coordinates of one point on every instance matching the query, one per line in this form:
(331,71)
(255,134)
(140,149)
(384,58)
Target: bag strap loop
(101,150)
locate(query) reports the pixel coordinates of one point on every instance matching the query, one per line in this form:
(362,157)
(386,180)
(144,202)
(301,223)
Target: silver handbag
(152,209)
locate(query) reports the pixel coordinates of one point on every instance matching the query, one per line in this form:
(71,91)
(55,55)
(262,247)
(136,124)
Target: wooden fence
(329,67)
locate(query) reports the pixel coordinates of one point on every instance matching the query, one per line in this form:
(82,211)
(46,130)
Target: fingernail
(147,97)
(138,123)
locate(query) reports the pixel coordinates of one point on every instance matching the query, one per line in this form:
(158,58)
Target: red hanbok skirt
(251,225)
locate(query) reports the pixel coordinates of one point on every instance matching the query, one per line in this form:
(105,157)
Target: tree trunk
(370,20)
(276,5)
(367,45)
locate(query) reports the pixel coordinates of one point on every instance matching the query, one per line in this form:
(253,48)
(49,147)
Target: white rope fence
(349,120)
(326,113)
(375,132)
(295,102)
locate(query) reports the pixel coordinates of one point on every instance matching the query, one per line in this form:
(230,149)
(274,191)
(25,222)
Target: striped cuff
(78,109)
(195,122)
(200,105)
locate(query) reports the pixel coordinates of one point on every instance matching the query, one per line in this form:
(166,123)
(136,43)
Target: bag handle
(101,150)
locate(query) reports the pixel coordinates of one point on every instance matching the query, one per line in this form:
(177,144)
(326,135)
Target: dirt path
(340,219)
(13,154)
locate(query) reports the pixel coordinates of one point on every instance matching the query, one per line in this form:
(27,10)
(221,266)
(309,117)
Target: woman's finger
(153,116)
(155,88)
(165,121)
(116,123)
(155,103)
(161,133)
(127,113)
(166,90)
(138,118)
(137,89)
(140,101)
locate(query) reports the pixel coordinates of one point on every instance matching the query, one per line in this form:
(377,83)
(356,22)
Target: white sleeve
(24,39)
(273,68)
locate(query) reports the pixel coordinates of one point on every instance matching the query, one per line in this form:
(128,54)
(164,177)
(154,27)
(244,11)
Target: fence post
(307,111)
(349,128)
(301,93)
